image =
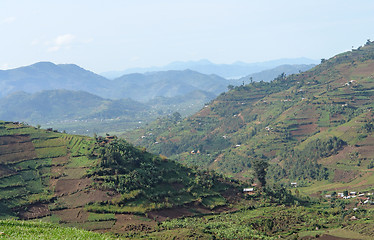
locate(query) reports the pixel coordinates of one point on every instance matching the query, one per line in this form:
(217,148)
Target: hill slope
(315,125)
(96,183)
(270,74)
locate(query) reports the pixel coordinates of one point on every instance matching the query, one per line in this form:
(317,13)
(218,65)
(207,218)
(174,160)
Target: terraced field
(50,176)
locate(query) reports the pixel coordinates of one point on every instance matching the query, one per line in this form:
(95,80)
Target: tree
(177,116)
(230,87)
(260,168)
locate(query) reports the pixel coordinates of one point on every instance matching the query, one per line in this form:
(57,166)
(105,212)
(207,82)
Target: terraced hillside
(314,128)
(98,184)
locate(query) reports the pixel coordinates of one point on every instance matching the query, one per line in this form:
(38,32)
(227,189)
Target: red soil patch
(344,176)
(17,157)
(232,195)
(304,130)
(170,213)
(129,222)
(5,140)
(16,147)
(60,160)
(35,211)
(362,184)
(342,154)
(69,186)
(81,198)
(365,70)
(72,215)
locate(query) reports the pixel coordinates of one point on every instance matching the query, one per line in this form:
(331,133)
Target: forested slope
(316,125)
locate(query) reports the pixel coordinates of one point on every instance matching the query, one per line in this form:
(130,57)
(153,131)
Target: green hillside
(97,184)
(315,127)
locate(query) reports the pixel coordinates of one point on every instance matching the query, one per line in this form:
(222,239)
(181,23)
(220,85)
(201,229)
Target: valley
(289,158)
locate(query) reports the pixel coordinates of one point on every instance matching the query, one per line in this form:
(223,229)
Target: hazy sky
(119,34)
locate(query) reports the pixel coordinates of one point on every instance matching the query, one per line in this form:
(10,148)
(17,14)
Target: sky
(101,35)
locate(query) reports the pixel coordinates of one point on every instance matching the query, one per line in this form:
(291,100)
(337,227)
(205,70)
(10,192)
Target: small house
(248,190)
(294,184)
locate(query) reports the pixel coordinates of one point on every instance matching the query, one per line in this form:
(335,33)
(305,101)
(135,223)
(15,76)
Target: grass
(77,162)
(214,201)
(33,164)
(24,230)
(51,152)
(47,143)
(347,234)
(96,217)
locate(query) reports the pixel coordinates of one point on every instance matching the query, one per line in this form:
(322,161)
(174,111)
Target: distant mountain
(144,87)
(271,74)
(48,76)
(61,105)
(234,70)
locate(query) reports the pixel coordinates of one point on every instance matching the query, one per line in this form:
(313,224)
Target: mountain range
(234,70)
(61,94)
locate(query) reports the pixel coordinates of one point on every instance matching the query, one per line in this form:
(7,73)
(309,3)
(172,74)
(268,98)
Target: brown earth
(304,130)
(342,154)
(69,186)
(127,222)
(17,157)
(344,175)
(5,140)
(81,198)
(72,215)
(16,147)
(60,160)
(170,213)
(35,211)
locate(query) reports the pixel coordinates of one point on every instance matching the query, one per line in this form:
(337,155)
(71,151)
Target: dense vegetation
(152,181)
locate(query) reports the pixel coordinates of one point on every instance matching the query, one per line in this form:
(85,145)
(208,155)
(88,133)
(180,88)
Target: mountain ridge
(234,70)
